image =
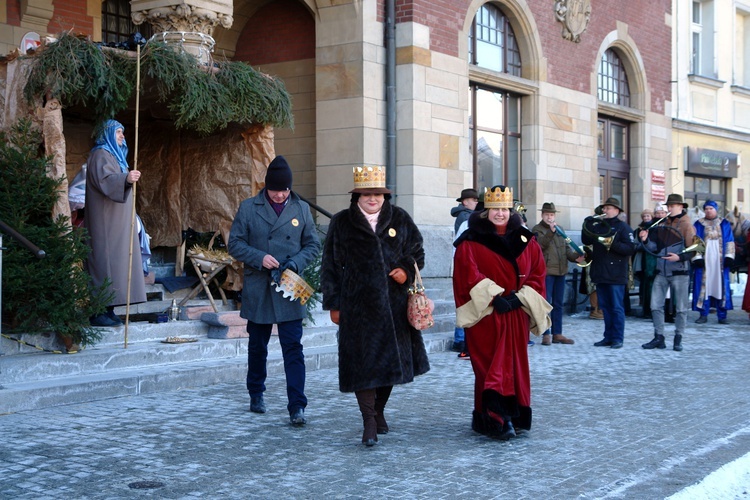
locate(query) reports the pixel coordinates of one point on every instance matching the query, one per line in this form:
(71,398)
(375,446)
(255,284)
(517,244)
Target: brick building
(567,101)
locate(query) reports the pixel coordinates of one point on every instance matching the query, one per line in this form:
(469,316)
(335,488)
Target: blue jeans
(680,290)
(458,335)
(611,302)
(290,336)
(555,296)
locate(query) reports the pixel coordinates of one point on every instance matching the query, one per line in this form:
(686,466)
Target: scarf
(107,140)
(371,219)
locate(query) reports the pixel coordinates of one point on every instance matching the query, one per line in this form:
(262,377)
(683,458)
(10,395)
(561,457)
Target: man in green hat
(557,254)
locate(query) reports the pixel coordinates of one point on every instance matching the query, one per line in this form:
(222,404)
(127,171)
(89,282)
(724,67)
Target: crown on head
(369,177)
(497,197)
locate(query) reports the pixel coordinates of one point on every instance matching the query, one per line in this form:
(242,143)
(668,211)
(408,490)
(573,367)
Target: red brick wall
(71,14)
(280,31)
(14,12)
(569,64)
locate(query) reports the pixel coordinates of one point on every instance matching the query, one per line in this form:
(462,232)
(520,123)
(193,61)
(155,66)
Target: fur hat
(279,175)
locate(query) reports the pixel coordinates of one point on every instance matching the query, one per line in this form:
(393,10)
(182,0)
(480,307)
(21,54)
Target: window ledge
(706,81)
(622,112)
(740,90)
(507,82)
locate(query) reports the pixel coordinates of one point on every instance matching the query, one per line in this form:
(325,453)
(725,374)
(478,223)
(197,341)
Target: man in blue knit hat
(712,268)
(274,231)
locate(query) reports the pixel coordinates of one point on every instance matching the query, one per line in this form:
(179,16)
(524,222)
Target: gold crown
(369,177)
(498,198)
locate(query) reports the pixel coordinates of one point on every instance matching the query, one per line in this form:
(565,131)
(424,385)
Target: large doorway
(613,160)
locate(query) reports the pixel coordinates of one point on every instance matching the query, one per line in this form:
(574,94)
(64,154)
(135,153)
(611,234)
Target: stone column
(186,24)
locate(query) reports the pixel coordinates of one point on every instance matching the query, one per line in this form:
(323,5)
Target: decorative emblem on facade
(574,16)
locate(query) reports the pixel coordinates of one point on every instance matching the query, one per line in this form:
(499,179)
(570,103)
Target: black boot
(656,343)
(668,312)
(381,398)
(677,342)
(366,400)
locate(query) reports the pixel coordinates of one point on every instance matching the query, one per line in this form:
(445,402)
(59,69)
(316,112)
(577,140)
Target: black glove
(276,275)
(699,264)
(288,264)
(507,303)
(728,263)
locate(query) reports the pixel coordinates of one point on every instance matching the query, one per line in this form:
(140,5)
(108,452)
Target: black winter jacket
(610,266)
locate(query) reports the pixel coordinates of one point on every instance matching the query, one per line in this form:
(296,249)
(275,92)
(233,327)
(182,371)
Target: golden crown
(369,177)
(497,197)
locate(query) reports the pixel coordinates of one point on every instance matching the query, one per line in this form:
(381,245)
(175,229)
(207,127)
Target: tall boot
(595,313)
(381,398)
(656,343)
(366,400)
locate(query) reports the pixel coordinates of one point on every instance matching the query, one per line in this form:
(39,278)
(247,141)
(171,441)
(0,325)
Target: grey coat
(257,231)
(108,219)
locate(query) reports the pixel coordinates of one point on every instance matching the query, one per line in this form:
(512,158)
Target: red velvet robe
(498,343)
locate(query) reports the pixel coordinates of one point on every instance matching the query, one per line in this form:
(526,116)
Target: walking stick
(135,184)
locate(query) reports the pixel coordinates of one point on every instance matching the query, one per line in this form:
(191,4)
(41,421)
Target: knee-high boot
(381,398)
(366,400)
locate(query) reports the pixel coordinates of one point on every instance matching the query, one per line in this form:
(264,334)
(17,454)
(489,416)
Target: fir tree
(51,294)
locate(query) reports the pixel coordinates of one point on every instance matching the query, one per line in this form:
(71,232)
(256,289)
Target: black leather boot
(381,398)
(656,343)
(677,342)
(668,311)
(366,400)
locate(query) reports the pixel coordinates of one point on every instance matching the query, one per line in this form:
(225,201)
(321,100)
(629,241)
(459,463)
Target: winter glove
(288,264)
(699,264)
(398,275)
(728,263)
(276,275)
(507,303)
(334,317)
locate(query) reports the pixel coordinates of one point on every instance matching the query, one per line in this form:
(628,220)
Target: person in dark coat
(609,270)
(108,220)
(367,268)
(467,202)
(274,231)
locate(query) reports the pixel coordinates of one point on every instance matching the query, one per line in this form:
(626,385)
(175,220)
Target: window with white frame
(702,39)
(742,48)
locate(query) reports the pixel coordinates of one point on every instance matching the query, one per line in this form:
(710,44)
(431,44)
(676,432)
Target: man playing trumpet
(557,253)
(672,270)
(609,268)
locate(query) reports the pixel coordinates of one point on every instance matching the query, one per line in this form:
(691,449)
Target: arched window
(116,23)
(492,43)
(613,81)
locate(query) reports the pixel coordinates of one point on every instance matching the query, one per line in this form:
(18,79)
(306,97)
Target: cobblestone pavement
(625,423)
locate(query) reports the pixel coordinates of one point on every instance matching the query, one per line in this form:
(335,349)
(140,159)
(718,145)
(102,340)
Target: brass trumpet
(596,227)
(698,245)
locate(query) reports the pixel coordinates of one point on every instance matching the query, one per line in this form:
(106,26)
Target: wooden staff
(135,184)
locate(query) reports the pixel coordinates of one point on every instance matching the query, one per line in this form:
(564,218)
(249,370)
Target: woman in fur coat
(367,267)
